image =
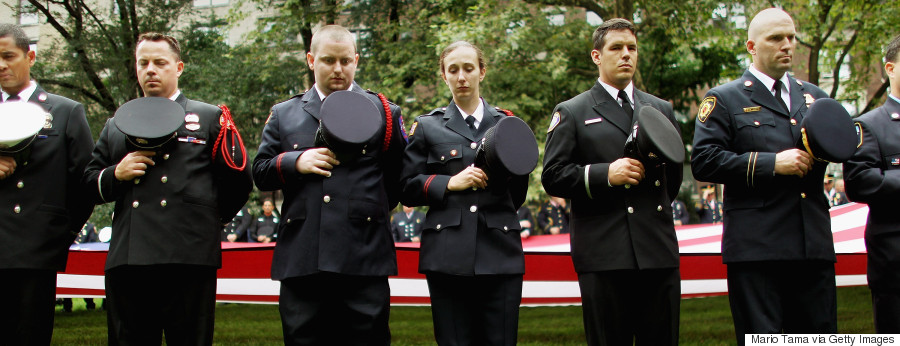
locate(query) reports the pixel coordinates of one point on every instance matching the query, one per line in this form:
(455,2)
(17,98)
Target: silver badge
(48,121)
(192,126)
(191,118)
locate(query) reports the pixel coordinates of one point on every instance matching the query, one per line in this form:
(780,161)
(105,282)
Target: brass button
(288,221)
(135,204)
(656,183)
(442,158)
(164,179)
(369,218)
(473,208)
(296,146)
(630,210)
(803,195)
(505,228)
(162,203)
(20,184)
(756,123)
(137,181)
(364,151)
(438,226)
(627,186)
(166,157)
(327,199)
(17,209)
(793,121)
(659,208)
(473,145)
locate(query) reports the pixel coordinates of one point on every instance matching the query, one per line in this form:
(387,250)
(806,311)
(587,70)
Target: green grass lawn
(704,321)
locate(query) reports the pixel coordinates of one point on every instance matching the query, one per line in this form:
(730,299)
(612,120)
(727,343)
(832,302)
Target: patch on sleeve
(554,121)
(706,107)
(859,133)
(809,99)
(412,130)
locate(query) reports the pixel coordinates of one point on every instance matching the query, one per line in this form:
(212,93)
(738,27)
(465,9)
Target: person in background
(42,208)
(264,229)
(840,195)
(237,229)
(679,213)
(526,221)
(554,216)
(406,225)
(710,210)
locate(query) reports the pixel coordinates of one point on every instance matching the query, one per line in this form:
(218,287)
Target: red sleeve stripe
(278,167)
(427,184)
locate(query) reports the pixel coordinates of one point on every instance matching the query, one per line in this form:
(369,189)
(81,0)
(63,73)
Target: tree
(94,61)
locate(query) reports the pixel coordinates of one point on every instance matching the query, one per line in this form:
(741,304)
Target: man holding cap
(777,240)
(334,251)
(872,176)
(41,211)
(173,193)
(623,236)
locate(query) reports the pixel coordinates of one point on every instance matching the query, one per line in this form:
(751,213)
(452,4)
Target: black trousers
(26,317)
(146,301)
(335,309)
(475,310)
(886,308)
(631,307)
(782,297)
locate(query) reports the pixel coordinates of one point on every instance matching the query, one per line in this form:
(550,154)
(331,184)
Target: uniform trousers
(631,307)
(475,310)
(782,297)
(146,301)
(26,318)
(883,271)
(335,309)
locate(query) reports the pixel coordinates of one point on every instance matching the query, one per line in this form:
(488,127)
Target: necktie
(13,97)
(777,88)
(626,105)
(471,121)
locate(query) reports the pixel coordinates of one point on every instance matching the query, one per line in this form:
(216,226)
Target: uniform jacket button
(166,157)
(803,195)
(137,181)
(326,199)
(659,208)
(505,228)
(442,158)
(164,179)
(20,184)
(162,203)
(627,186)
(369,218)
(438,227)
(656,183)
(473,208)
(630,210)
(296,146)
(17,209)
(135,204)
(473,145)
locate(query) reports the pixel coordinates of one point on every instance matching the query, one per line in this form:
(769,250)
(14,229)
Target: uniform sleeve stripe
(428,184)
(100,185)
(749,164)
(753,174)
(587,183)
(278,168)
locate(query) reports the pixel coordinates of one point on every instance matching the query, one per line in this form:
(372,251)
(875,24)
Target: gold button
(438,226)
(473,208)
(162,203)
(166,157)
(793,121)
(756,123)
(627,186)
(369,218)
(364,151)
(20,184)
(296,146)
(473,145)
(137,181)
(442,158)
(164,179)
(135,204)
(17,209)
(803,195)
(288,220)
(630,210)
(656,183)
(659,208)
(505,228)
(327,199)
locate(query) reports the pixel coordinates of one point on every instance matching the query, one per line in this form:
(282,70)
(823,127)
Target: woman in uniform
(471,251)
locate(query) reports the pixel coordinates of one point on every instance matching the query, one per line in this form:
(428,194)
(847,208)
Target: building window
(28,15)
(210,3)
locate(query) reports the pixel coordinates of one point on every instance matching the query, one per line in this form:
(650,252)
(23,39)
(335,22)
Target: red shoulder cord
(389,120)
(228,132)
(508,113)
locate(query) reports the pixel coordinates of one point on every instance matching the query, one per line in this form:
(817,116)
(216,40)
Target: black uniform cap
(654,138)
(149,122)
(508,148)
(827,132)
(347,122)
(20,123)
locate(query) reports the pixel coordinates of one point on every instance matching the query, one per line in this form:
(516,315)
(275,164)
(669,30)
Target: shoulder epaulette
(297,96)
(508,113)
(437,111)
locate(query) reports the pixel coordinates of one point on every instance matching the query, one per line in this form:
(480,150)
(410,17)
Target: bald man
(777,241)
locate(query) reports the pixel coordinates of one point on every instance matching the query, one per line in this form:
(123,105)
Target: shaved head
(770,40)
(334,33)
